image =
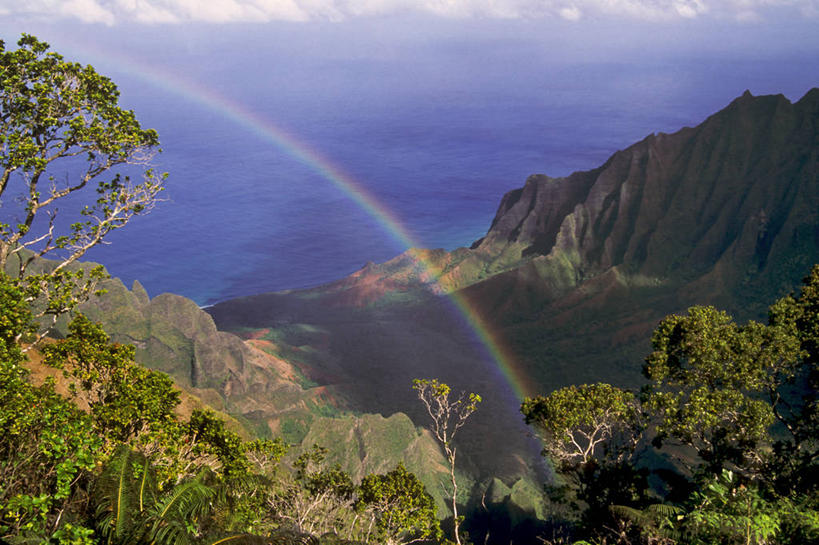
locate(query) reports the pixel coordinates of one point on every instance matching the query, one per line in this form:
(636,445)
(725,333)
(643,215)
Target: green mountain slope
(574,273)
(572,276)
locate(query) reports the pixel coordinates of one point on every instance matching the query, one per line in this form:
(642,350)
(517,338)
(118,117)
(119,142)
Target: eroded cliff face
(572,277)
(247,377)
(574,273)
(732,202)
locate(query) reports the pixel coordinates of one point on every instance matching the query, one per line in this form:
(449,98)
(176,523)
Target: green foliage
(448,416)
(62,133)
(727,510)
(132,509)
(264,455)
(16,322)
(125,399)
(708,377)
(590,433)
(315,499)
(208,432)
(797,457)
(743,397)
(579,423)
(68,534)
(656,523)
(48,445)
(403,510)
(58,117)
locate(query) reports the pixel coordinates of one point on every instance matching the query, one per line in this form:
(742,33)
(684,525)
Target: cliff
(574,273)
(730,204)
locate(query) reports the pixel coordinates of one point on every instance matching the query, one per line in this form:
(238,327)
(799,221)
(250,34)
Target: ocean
(433,128)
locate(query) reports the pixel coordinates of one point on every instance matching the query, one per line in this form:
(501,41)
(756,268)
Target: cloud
(86,11)
(111,12)
(571,13)
(690,8)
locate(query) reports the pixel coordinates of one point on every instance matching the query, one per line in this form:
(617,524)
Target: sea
(432,126)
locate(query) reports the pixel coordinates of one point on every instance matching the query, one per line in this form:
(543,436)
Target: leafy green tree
(590,433)
(207,433)
(742,397)
(581,423)
(49,446)
(402,510)
(264,455)
(246,494)
(797,456)
(313,499)
(134,405)
(125,399)
(708,378)
(448,416)
(62,133)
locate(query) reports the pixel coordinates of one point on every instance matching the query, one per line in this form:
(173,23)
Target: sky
(113,12)
(486,92)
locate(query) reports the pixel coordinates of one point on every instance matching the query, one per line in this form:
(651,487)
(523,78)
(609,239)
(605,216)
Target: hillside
(574,273)
(260,386)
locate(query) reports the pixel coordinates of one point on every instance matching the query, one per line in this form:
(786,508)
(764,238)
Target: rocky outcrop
(727,207)
(248,378)
(733,199)
(574,273)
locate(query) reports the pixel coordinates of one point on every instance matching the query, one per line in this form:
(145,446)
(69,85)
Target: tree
(448,416)
(797,457)
(48,445)
(63,135)
(314,499)
(125,399)
(708,378)
(590,433)
(743,397)
(403,511)
(579,423)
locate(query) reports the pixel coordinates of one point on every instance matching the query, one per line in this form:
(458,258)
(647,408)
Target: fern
(130,509)
(236,539)
(656,520)
(118,494)
(171,515)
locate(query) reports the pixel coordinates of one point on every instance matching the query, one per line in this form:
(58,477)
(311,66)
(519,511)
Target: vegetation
(720,446)
(731,410)
(448,416)
(110,460)
(98,454)
(67,153)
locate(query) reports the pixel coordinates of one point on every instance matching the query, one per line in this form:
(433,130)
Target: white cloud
(88,11)
(571,13)
(231,11)
(145,11)
(690,8)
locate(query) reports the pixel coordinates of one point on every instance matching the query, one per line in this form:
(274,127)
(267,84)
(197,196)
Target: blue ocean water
(436,128)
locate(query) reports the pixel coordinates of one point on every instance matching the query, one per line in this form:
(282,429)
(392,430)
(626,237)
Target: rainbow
(288,143)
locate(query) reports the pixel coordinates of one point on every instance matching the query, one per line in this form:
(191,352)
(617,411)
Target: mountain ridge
(573,275)
(565,230)
(575,272)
